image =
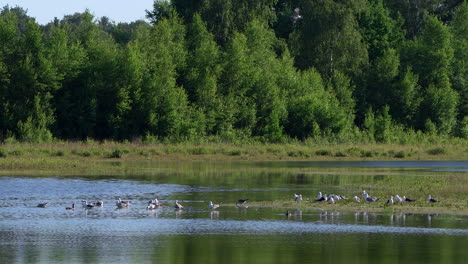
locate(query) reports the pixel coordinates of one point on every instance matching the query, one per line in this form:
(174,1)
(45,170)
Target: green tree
(164,103)
(28,80)
(328,38)
(202,73)
(431,56)
(405,98)
(313,111)
(459,76)
(269,97)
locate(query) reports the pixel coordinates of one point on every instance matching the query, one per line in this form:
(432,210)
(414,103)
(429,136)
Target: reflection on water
(198,234)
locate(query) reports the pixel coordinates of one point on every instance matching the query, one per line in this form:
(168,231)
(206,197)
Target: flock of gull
(152,204)
(333,198)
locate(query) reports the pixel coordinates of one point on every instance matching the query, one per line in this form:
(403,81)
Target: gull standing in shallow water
(177,205)
(213,206)
(241,201)
(122,204)
(87,205)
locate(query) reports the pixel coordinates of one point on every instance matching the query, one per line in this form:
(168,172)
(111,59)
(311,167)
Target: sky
(117,10)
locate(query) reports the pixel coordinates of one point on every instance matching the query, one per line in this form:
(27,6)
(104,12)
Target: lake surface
(230,234)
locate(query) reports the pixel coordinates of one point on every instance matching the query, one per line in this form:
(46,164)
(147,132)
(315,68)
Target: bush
(437,151)
(235,153)
(3,153)
(116,154)
(323,152)
(199,151)
(340,154)
(59,153)
(400,154)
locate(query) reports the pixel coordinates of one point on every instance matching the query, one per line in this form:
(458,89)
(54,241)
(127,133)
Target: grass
(226,151)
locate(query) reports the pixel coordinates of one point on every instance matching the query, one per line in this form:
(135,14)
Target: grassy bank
(73,154)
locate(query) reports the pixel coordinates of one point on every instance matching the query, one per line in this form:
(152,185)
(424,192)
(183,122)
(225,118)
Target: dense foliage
(370,70)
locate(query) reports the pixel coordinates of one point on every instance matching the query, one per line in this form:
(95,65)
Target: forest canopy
(268,70)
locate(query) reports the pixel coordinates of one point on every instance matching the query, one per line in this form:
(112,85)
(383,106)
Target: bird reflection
(178,213)
(214,215)
(429,218)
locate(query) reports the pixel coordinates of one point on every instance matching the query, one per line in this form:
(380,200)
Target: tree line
(269,70)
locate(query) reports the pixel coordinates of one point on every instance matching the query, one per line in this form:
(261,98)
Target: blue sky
(117,10)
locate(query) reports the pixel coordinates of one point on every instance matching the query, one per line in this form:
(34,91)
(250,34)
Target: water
(231,234)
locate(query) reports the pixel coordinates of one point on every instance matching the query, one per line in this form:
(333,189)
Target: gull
(154,203)
(357,199)
(42,205)
(87,205)
(295,16)
(323,198)
(398,198)
(342,197)
(370,198)
(70,208)
(99,203)
(297,197)
(151,205)
(390,201)
(177,205)
(406,199)
(122,204)
(319,195)
(331,200)
(241,201)
(157,202)
(431,200)
(213,206)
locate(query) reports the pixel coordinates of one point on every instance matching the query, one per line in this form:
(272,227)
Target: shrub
(116,154)
(3,153)
(437,151)
(400,154)
(323,152)
(340,154)
(198,151)
(235,153)
(59,153)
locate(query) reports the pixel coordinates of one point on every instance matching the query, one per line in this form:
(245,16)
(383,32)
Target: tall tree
(28,80)
(459,76)
(202,73)
(328,38)
(431,56)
